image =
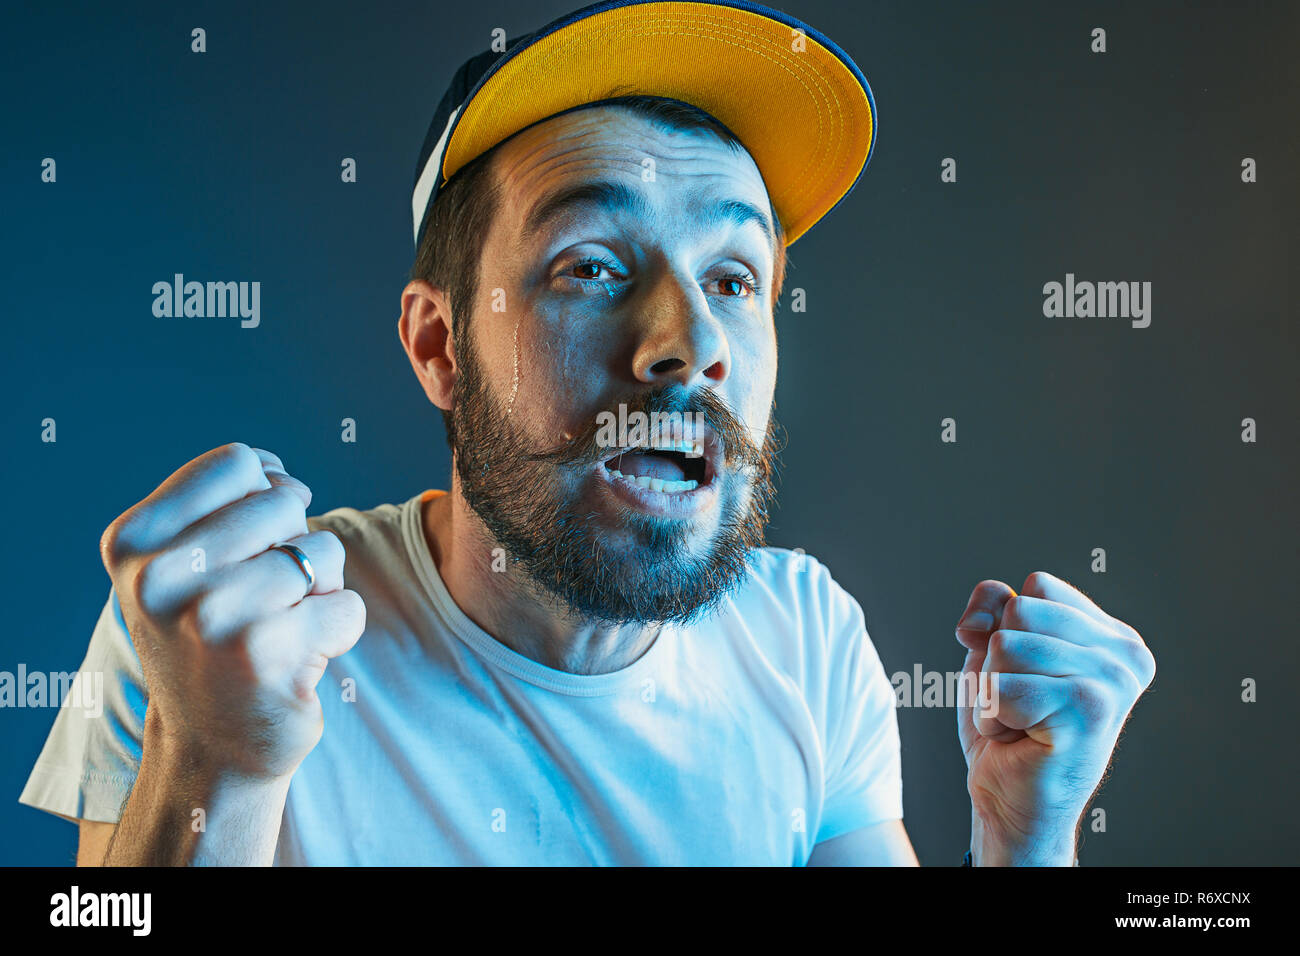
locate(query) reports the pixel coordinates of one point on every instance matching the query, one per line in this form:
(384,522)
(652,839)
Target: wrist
(183,810)
(185,759)
(1048,846)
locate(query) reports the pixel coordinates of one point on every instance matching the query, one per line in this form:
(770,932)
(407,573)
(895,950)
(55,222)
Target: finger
(1023,652)
(278,476)
(338,618)
(321,625)
(324,551)
(196,489)
(248,527)
(1041,584)
(269,458)
(976,698)
(1042,616)
(982,613)
(979,619)
(267,584)
(293,648)
(1051,710)
(251,525)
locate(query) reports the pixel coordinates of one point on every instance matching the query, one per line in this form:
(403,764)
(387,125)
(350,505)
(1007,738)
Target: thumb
(981,617)
(983,614)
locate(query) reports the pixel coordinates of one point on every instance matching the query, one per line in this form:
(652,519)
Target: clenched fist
(231,643)
(1064,676)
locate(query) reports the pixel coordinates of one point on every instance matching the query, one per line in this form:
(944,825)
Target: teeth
(691,449)
(656,484)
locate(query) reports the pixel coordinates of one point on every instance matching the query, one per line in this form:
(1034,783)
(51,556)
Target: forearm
(239,824)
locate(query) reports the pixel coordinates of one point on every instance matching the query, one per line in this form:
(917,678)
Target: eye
(585,273)
(739,285)
(588,269)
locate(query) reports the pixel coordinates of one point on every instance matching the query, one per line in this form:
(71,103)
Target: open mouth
(676,466)
(669,471)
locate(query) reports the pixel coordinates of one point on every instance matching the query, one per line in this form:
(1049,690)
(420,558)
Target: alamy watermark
(129,910)
(655,429)
(181,299)
(1102,300)
(921,688)
(82,689)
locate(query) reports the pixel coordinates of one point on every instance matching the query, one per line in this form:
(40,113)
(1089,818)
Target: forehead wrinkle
(593,166)
(614,196)
(559,151)
(665,145)
(540,153)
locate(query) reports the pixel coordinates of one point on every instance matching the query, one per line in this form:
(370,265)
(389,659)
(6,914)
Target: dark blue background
(924,301)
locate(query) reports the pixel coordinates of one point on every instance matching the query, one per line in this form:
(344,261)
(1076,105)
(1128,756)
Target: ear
(425,331)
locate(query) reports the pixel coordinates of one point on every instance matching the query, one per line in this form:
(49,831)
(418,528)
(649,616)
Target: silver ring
(304,563)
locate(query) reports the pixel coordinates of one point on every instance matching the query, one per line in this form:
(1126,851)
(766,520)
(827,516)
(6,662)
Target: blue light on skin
(668,310)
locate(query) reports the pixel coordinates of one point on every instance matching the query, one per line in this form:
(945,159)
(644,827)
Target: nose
(679,340)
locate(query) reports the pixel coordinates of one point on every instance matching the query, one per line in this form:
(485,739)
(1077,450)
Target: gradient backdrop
(924,301)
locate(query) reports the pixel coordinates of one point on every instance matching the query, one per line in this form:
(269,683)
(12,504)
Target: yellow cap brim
(798,104)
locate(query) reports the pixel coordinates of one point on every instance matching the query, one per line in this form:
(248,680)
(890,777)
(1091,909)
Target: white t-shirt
(744,740)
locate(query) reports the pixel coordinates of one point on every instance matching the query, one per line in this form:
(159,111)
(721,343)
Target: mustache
(738,447)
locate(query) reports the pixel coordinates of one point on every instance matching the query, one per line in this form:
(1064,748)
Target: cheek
(573,342)
(561,380)
(754,366)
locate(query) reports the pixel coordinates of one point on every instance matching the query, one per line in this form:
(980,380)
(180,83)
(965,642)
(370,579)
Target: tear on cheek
(514,382)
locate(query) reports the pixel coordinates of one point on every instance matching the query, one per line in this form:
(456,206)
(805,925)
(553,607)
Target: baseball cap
(797,102)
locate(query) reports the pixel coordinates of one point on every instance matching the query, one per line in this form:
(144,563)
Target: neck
(509,607)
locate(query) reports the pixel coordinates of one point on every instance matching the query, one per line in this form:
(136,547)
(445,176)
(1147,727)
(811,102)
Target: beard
(568,551)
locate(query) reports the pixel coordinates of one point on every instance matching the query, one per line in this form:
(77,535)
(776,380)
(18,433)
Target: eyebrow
(613,196)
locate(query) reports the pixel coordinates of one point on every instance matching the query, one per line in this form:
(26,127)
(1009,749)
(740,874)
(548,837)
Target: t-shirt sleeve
(863,765)
(89,762)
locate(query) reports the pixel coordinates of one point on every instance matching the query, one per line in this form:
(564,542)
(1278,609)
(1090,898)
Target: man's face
(638,293)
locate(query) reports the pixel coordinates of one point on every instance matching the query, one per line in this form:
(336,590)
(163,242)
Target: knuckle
(1113,671)
(118,538)
(237,451)
(269,454)
(1144,664)
(1124,628)
(1036,581)
(148,585)
(1013,687)
(354,608)
(336,543)
(332,548)
(1090,699)
(1048,651)
(205,615)
(240,459)
(110,545)
(1045,583)
(1000,643)
(282,497)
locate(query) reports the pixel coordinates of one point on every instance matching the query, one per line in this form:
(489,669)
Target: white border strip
(429,176)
